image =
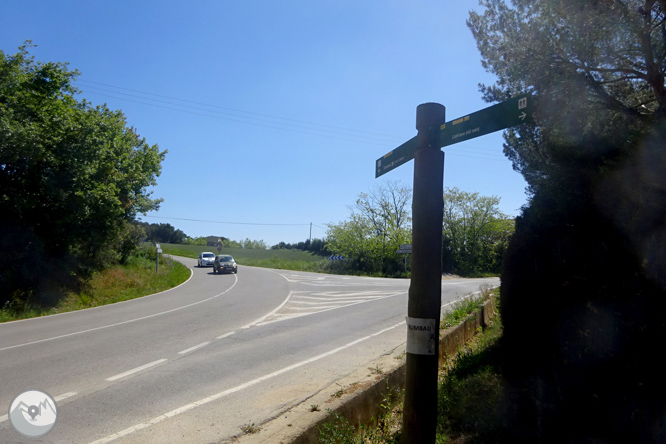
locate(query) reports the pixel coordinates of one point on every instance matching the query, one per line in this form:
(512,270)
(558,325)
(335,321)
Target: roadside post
(405,249)
(157,257)
(423,309)
(425,290)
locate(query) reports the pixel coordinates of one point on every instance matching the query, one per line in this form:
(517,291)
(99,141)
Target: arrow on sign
(336,258)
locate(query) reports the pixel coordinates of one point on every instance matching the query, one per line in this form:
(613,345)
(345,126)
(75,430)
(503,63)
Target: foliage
(317,246)
(71,174)
(463,308)
(378,224)
(475,233)
(592,240)
(133,279)
(254,244)
(472,400)
(162,233)
(596,69)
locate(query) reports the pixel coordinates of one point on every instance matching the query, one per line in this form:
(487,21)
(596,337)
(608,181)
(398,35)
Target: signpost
(425,298)
(504,115)
(157,257)
(405,249)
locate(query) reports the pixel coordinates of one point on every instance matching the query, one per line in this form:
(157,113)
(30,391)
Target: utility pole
(425,290)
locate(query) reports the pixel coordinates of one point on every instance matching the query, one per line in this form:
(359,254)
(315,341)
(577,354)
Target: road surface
(200,361)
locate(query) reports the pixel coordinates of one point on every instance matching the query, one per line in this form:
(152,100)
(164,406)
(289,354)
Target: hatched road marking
(303,303)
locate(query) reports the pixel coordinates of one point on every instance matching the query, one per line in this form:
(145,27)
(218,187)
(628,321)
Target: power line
(247,123)
(375,139)
(377,136)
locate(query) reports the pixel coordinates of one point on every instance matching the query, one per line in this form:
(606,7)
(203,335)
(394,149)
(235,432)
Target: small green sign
(509,113)
(392,160)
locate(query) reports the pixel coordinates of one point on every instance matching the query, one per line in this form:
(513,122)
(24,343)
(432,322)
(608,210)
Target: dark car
(224,263)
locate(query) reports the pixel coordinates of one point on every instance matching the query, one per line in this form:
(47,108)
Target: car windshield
(225,258)
(208,255)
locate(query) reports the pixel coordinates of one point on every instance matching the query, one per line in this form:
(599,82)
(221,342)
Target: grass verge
(470,393)
(132,280)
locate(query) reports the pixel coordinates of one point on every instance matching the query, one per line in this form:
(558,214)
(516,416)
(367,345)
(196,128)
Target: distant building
(211,241)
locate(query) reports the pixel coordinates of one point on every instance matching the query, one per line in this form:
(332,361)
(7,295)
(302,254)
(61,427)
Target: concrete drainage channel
(361,393)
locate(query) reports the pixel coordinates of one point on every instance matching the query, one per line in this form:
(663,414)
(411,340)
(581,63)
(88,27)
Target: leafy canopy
(378,224)
(475,233)
(596,67)
(71,174)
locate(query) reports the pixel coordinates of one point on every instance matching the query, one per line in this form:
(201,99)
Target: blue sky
(273,113)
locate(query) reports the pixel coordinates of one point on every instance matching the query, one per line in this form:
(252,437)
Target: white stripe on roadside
(123,322)
(187,350)
(253,323)
(135,370)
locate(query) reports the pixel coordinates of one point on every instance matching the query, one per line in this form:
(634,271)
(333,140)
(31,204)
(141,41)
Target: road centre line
(122,323)
(187,350)
(215,397)
(135,370)
(56,399)
(226,335)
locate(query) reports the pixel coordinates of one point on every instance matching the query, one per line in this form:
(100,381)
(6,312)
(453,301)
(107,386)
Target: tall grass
(131,280)
(466,307)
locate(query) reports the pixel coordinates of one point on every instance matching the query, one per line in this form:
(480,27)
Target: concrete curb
(361,394)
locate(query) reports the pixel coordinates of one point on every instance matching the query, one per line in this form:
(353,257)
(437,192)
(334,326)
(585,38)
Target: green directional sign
(504,115)
(403,154)
(494,118)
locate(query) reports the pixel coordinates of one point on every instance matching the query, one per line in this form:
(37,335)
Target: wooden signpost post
(425,290)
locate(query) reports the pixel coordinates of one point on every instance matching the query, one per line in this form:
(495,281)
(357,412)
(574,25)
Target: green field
(282,259)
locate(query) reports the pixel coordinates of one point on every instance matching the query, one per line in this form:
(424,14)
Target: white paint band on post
(421,336)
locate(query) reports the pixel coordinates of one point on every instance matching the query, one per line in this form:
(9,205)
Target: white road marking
(226,335)
(187,350)
(135,370)
(467,296)
(261,319)
(303,303)
(100,306)
(122,323)
(56,399)
(230,391)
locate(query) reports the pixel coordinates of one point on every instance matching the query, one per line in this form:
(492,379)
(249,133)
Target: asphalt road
(200,361)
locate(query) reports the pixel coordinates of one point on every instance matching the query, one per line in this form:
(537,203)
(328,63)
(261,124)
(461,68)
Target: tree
(316,246)
(379,223)
(589,251)
(254,244)
(71,174)
(597,70)
(163,233)
(475,233)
